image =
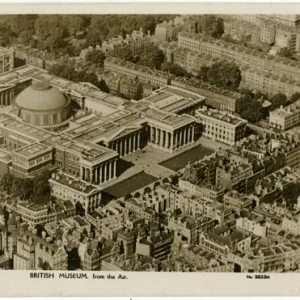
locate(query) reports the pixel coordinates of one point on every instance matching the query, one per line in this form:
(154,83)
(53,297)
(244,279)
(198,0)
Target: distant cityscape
(160,143)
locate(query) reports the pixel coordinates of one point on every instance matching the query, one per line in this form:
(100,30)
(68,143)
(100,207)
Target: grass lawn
(130,184)
(181,160)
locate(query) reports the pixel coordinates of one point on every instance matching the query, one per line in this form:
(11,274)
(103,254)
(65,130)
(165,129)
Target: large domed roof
(41,96)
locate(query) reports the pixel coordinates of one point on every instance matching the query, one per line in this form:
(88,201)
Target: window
(28,118)
(46,120)
(54,118)
(37,120)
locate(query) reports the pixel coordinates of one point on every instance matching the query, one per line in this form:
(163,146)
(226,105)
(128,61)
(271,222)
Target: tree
(253,113)
(225,75)
(250,109)
(295,97)
(41,187)
(285,52)
(68,72)
(7,182)
(93,38)
(91,78)
(127,197)
(290,193)
(174,69)
(96,57)
(152,57)
(103,86)
(74,23)
(277,100)
(212,26)
(126,53)
(202,73)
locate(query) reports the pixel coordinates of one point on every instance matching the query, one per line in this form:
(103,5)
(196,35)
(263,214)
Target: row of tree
(37,189)
(69,72)
(58,33)
(151,57)
(209,25)
(224,74)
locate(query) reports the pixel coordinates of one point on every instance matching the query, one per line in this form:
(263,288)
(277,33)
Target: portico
(171,137)
(6,96)
(125,140)
(97,166)
(100,173)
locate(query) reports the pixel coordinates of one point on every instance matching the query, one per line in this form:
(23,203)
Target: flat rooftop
(173,99)
(221,116)
(19,74)
(4,157)
(287,111)
(168,118)
(74,183)
(90,151)
(28,131)
(32,150)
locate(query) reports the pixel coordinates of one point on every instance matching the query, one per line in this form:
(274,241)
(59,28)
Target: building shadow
(123,166)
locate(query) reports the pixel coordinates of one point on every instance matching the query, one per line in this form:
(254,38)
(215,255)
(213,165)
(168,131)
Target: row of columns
(6,97)
(172,140)
(184,136)
(6,61)
(100,174)
(126,145)
(161,137)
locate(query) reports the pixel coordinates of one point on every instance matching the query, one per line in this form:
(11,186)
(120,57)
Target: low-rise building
(237,201)
(64,187)
(267,82)
(284,118)
(239,54)
(207,192)
(111,214)
(187,228)
(144,74)
(291,224)
(224,240)
(6,60)
(256,226)
(36,214)
(39,253)
(220,126)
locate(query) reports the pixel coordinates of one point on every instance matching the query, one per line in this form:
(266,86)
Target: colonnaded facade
(43,127)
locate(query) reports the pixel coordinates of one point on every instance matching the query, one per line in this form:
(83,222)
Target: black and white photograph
(150,143)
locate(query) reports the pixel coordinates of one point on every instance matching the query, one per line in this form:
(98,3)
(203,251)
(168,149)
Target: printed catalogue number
(259,276)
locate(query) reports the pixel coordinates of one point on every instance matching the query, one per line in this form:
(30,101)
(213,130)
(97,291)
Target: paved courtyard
(160,164)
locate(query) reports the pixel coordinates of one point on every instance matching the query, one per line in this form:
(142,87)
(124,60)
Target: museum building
(42,105)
